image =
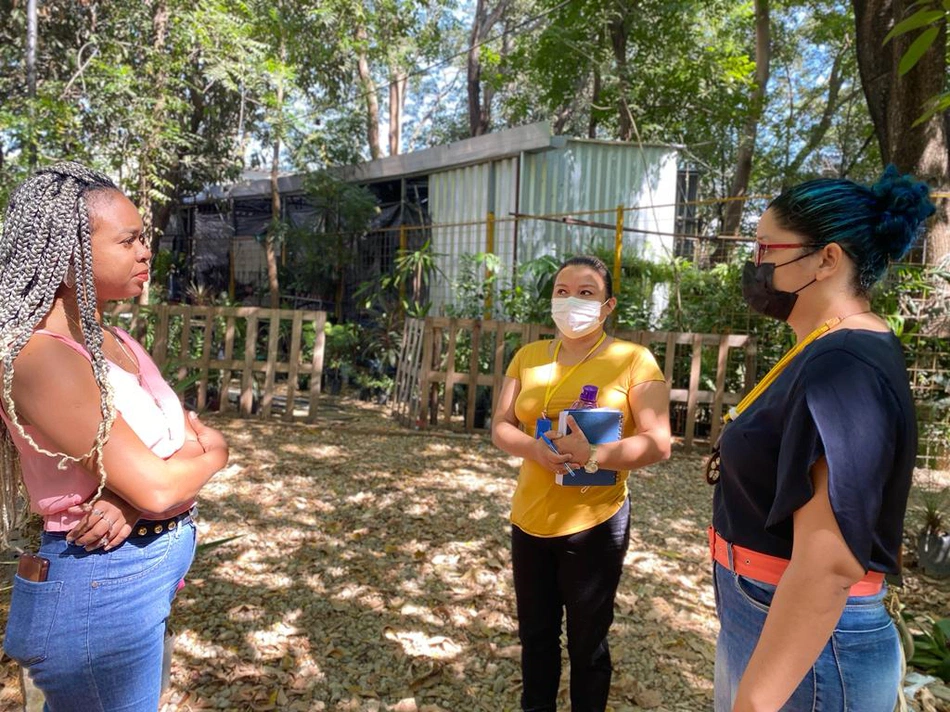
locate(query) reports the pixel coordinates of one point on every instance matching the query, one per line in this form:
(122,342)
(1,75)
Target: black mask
(758,292)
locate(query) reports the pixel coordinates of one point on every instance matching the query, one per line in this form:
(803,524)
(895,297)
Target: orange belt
(769,569)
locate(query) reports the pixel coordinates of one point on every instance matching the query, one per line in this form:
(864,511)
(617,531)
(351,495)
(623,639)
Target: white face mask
(576,317)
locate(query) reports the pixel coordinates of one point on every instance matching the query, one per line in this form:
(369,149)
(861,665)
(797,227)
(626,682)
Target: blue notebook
(600,425)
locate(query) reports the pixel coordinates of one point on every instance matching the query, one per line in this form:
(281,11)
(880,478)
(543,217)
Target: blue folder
(600,425)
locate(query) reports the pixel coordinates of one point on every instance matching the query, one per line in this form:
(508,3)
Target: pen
(554,448)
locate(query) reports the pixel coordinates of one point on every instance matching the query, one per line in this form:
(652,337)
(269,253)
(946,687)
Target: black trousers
(580,573)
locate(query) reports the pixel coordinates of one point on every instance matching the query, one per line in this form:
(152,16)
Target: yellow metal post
(403,246)
(618,253)
(490,250)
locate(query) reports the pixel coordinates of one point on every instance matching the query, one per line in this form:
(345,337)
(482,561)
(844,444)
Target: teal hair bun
(904,204)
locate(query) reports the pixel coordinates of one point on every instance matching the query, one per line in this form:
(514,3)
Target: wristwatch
(591,466)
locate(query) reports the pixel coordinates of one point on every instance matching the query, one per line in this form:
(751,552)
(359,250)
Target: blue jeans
(859,669)
(92,634)
(578,573)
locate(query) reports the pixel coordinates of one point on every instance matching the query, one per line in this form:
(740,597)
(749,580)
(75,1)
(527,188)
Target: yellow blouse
(540,507)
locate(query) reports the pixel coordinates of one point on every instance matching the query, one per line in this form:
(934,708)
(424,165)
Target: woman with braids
(814,466)
(107,456)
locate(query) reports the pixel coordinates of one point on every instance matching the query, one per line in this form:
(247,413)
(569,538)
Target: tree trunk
(369,89)
(479,105)
(473,67)
(619,31)
(158,80)
(895,102)
(397,98)
(270,244)
(594,104)
(732,217)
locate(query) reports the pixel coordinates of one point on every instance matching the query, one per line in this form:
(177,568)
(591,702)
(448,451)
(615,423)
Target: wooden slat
(450,374)
(437,362)
(206,349)
(405,397)
(670,359)
(319,320)
(694,373)
(296,332)
(716,414)
(247,374)
(184,352)
(425,386)
(225,402)
(751,353)
(473,378)
(405,367)
(273,341)
(681,395)
(160,347)
(498,372)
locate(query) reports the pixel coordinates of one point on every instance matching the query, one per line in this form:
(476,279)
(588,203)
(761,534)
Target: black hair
(595,263)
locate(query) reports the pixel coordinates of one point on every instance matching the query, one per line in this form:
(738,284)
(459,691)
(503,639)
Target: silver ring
(99,512)
(111,523)
(103,541)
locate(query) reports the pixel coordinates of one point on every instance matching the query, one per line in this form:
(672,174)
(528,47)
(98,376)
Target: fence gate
(451,370)
(258,357)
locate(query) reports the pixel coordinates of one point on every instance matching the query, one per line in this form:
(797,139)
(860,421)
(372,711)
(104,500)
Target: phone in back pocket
(33,568)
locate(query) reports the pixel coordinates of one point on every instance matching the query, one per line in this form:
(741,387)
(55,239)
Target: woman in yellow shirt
(568,543)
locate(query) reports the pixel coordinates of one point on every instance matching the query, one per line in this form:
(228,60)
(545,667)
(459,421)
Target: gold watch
(591,466)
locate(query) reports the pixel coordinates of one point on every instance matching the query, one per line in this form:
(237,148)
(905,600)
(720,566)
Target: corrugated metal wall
(591,175)
(466,195)
(578,176)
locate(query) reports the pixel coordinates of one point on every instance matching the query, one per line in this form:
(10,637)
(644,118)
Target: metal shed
(525,170)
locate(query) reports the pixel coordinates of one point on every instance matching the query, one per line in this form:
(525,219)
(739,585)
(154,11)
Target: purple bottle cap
(589,393)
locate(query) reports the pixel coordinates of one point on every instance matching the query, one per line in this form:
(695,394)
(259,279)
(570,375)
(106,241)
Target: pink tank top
(145,401)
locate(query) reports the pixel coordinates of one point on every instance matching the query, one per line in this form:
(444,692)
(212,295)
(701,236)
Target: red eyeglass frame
(759,249)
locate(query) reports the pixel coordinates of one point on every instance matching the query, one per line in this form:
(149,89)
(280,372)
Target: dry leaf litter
(372,573)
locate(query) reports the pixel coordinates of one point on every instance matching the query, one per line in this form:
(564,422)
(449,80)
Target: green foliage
(931,650)
(321,251)
(405,290)
(933,510)
(475,285)
(929,18)
(526,296)
(342,345)
(484,286)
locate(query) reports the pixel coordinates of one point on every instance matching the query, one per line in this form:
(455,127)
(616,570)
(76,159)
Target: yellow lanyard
(760,387)
(549,391)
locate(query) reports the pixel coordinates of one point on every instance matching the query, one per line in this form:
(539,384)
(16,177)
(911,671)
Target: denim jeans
(859,669)
(92,634)
(580,573)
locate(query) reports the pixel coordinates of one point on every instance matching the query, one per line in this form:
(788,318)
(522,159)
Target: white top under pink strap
(145,401)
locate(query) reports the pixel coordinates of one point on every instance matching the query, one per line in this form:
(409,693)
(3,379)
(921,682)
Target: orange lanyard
(551,387)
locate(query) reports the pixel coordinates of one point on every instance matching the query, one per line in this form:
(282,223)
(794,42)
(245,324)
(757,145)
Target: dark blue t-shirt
(846,396)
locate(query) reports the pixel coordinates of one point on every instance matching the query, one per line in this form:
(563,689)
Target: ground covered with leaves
(372,572)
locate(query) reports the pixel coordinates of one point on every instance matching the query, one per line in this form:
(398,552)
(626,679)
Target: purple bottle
(587,399)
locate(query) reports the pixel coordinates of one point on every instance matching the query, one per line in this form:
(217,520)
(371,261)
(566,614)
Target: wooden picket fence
(258,354)
(446,363)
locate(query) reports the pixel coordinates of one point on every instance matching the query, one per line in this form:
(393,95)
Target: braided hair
(45,242)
